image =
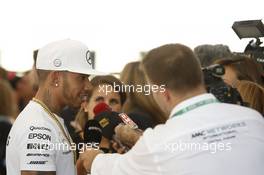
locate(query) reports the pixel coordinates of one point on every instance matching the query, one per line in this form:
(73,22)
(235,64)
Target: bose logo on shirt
(39,136)
(37,162)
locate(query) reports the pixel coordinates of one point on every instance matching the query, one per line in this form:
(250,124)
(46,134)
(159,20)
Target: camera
(255,51)
(251,29)
(215,85)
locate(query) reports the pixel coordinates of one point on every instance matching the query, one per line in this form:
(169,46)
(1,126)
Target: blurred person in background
(25,90)
(114,99)
(8,103)
(208,53)
(138,103)
(3,74)
(26,85)
(100,93)
(97,94)
(8,112)
(239,67)
(13,79)
(252,94)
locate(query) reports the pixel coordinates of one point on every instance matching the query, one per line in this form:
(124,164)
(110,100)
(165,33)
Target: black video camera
(215,85)
(255,51)
(251,29)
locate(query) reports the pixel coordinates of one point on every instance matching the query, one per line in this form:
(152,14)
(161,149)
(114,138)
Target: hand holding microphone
(127,135)
(124,136)
(109,125)
(92,138)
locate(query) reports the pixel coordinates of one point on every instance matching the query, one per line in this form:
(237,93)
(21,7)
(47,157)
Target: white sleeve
(34,149)
(139,160)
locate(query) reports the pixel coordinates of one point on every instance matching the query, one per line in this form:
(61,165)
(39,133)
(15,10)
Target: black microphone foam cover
(92,132)
(108,122)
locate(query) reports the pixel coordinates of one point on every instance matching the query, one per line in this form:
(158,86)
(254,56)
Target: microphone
(128,121)
(92,133)
(109,119)
(101,107)
(92,137)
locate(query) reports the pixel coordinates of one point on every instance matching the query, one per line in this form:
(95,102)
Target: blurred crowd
(241,72)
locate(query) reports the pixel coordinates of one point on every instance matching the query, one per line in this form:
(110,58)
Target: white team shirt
(36,143)
(217,138)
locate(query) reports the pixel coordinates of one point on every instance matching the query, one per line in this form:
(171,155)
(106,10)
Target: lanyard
(194,106)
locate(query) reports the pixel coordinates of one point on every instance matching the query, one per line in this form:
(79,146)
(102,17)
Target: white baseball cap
(66,55)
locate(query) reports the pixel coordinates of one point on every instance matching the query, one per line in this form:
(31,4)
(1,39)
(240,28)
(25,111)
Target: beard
(70,100)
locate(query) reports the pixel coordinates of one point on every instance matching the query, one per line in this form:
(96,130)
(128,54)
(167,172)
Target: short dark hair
(175,66)
(42,75)
(35,55)
(207,54)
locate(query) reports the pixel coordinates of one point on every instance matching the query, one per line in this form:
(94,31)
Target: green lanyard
(194,106)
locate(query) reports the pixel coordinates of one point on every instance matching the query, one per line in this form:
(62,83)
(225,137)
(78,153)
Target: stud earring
(56,85)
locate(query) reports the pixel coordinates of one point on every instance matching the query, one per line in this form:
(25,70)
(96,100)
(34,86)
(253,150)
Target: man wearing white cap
(38,142)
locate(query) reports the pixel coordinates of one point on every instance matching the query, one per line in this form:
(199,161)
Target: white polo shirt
(215,138)
(36,143)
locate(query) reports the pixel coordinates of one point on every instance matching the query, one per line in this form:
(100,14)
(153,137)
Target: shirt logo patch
(32,128)
(37,162)
(39,136)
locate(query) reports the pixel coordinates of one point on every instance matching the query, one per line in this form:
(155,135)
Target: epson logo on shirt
(37,162)
(39,136)
(38,146)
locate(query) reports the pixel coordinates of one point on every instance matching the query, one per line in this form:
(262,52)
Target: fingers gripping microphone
(109,119)
(128,121)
